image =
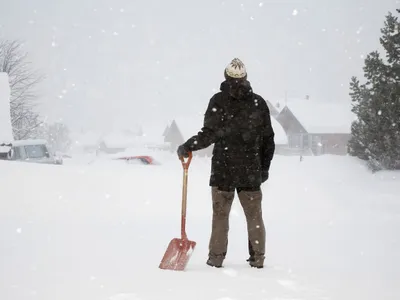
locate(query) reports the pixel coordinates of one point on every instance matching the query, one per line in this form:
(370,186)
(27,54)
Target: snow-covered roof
(5,116)
(272,108)
(29,142)
(4,149)
(322,117)
(280,134)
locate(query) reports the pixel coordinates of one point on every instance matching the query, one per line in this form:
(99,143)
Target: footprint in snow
(289,284)
(230,272)
(124,296)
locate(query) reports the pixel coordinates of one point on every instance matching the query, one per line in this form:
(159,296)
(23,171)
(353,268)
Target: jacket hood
(238,89)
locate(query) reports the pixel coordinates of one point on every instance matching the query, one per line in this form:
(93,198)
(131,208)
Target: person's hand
(182,151)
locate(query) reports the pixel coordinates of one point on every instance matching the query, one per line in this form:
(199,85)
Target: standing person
(238,123)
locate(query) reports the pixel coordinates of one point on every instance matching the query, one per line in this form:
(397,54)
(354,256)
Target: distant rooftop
(321,117)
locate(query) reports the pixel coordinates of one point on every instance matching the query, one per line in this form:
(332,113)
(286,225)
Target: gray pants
(251,203)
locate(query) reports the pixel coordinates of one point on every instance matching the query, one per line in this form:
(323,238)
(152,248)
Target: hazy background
(114,63)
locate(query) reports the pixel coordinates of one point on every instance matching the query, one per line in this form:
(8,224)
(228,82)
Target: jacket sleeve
(211,131)
(268,144)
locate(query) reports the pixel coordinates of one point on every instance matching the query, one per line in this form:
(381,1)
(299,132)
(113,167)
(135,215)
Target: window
(36,151)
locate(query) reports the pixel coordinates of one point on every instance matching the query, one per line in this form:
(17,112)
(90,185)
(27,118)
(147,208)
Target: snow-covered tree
(57,136)
(376,133)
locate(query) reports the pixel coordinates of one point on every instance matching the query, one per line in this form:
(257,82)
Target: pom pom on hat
(236,69)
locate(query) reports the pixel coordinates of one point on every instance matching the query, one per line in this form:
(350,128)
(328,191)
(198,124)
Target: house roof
(280,134)
(29,142)
(4,149)
(322,117)
(272,109)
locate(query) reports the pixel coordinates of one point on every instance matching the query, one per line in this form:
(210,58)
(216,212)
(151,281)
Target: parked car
(141,159)
(36,151)
(5,151)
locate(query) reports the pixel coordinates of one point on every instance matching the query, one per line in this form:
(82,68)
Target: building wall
(320,143)
(334,143)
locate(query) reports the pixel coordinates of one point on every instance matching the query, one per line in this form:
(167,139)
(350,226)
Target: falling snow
(60,39)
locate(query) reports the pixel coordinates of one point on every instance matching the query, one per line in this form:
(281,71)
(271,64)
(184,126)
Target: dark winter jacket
(238,122)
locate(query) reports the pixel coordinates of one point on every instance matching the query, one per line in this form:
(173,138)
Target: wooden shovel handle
(184,194)
(186,164)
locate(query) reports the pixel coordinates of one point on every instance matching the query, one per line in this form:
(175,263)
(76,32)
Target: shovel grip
(186,164)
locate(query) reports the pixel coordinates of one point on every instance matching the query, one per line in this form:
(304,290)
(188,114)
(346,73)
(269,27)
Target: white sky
(121,62)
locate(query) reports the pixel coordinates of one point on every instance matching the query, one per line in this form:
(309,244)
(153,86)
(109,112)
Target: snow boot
(214,262)
(256,262)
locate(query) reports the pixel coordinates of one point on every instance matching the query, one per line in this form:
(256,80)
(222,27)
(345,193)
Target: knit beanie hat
(235,70)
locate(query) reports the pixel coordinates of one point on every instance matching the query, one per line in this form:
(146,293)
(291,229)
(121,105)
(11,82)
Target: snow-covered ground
(94,230)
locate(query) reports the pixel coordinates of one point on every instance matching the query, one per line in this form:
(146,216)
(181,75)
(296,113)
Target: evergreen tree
(376,133)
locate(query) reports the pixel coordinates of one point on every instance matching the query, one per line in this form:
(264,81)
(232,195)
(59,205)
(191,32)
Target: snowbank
(99,232)
(5,117)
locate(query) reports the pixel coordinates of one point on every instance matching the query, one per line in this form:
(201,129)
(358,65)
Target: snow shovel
(179,250)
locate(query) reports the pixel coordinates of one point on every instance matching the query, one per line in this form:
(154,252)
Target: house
(114,142)
(173,135)
(317,127)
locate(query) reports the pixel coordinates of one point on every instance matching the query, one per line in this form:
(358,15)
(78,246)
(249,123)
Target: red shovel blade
(177,255)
